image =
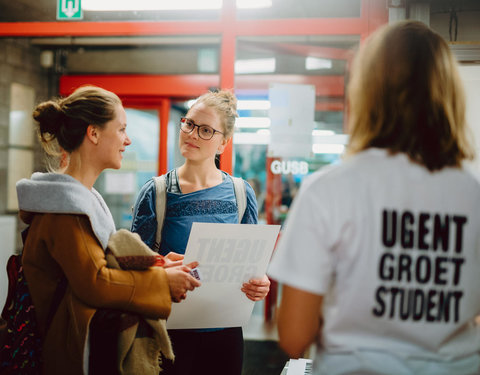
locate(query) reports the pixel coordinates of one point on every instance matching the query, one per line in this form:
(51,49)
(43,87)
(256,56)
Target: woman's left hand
(256,289)
(173,259)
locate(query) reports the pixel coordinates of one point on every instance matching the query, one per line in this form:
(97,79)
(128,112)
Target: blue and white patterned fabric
(212,205)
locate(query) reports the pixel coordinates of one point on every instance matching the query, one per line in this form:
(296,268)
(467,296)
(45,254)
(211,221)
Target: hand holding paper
(233,259)
(173,259)
(257,289)
(180,281)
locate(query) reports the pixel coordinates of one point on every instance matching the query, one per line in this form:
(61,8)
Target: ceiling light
(328,148)
(253,104)
(254,4)
(251,139)
(129,5)
(252,122)
(315,63)
(322,132)
(323,144)
(266,65)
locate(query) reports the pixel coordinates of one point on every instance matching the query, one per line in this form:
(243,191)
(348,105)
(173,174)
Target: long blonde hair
(405,95)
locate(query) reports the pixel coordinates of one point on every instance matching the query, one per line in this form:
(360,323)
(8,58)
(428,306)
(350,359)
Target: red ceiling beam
(150,87)
(61,29)
(373,14)
(294,26)
(185,85)
(301,26)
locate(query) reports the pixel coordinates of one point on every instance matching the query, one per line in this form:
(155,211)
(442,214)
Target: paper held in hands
(229,255)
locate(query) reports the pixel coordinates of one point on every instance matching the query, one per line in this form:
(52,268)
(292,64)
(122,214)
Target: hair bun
(50,116)
(229,98)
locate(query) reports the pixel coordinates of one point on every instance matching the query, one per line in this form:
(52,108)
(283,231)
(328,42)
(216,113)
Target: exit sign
(69,10)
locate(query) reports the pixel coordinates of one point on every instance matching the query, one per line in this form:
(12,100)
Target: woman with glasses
(198,191)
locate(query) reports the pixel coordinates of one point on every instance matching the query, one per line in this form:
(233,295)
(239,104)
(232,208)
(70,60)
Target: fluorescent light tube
(129,5)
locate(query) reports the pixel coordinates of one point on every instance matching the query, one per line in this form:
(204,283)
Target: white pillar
(8,233)
(420,12)
(397,10)
(471,81)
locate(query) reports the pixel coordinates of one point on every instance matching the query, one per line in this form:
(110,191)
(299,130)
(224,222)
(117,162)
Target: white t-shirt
(395,251)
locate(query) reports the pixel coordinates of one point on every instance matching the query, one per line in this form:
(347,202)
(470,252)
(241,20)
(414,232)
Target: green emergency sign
(69,10)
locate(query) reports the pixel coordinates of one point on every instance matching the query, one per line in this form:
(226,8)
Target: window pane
(120,187)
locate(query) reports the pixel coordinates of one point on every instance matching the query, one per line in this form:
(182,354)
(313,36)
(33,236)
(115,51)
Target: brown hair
(65,120)
(405,95)
(225,104)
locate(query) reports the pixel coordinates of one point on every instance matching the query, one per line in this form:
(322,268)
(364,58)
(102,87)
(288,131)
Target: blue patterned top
(212,205)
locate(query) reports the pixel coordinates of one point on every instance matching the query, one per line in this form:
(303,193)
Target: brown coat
(65,244)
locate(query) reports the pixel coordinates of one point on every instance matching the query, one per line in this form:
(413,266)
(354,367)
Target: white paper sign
(229,255)
(292,112)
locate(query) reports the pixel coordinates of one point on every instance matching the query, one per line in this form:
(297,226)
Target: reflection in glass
(318,60)
(120,187)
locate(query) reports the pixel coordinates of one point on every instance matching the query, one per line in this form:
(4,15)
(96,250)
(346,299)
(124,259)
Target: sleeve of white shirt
(303,258)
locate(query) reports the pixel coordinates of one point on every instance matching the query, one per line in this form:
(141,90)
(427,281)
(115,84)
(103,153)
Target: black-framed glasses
(204,131)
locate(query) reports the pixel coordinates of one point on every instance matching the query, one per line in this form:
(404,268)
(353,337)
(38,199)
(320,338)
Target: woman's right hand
(180,281)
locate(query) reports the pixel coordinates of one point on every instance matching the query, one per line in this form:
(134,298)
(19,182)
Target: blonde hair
(405,95)
(225,105)
(56,159)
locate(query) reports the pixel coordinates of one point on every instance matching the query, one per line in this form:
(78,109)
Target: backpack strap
(240,195)
(160,205)
(161,200)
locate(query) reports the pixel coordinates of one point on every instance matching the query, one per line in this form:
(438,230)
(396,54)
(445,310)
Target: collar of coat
(62,194)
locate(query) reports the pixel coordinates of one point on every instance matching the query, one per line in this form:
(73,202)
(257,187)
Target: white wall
(8,232)
(468,27)
(471,80)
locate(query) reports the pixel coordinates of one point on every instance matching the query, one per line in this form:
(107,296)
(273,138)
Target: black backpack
(21,347)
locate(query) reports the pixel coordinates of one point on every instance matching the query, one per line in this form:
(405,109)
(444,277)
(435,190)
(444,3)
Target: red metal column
(163,114)
(273,201)
(227,71)
(375,13)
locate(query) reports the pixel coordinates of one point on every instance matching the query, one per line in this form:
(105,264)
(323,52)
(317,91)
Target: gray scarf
(62,194)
